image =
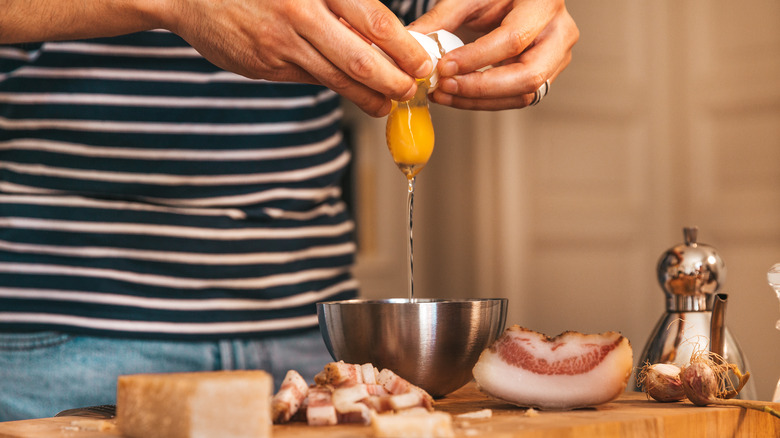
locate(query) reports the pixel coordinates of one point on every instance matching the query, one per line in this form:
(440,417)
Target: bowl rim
(407,301)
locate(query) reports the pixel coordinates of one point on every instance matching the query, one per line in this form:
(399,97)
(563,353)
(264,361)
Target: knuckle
(536,80)
(434,16)
(401,87)
(379,25)
(482,89)
(275,72)
(473,85)
(575,34)
(271,63)
(377,108)
(516,42)
(292,8)
(339,82)
(571,23)
(362,66)
(372,104)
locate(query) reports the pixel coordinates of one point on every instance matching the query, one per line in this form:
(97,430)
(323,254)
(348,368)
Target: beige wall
(669,116)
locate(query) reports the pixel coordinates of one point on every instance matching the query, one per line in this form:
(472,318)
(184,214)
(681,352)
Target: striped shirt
(144,192)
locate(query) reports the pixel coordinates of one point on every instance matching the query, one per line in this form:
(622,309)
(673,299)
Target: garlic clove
(661,381)
(700,383)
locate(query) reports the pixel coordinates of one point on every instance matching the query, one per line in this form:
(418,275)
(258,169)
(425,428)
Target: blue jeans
(43,373)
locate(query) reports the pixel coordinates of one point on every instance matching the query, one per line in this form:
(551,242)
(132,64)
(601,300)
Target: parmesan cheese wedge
(413,425)
(225,404)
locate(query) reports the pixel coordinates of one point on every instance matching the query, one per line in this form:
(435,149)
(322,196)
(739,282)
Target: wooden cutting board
(631,416)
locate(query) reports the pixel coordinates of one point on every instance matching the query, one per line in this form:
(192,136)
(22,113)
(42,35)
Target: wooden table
(631,416)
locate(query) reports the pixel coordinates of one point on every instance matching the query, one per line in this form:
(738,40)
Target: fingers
(321,71)
(354,57)
(512,84)
(305,41)
(493,104)
(370,101)
(445,14)
(518,30)
(520,74)
(378,24)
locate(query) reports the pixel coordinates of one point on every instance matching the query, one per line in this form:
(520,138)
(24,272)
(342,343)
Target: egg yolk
(410,133)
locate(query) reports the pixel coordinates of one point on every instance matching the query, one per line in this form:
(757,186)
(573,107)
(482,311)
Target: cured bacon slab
(571,370)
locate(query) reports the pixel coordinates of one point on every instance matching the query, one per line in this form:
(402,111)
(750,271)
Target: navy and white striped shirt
(145,192)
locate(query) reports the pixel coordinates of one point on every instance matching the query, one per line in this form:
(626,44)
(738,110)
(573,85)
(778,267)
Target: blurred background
(668,116)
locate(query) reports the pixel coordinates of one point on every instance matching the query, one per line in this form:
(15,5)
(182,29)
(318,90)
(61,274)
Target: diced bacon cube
(376,389)
(347,401)
(392,382)
(355,417)
(427,400)
(345,398)
(396,385)
(379,403)
(320,410)
(408,400)
(339,373)
(301,414)
(369,373)
(290,397)
(351,393)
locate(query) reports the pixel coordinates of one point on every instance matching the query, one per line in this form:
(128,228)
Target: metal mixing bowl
(433,343)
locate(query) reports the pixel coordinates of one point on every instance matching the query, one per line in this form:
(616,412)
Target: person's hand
(526,41)
(308,41)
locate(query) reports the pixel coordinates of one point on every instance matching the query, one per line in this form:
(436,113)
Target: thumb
(447,15)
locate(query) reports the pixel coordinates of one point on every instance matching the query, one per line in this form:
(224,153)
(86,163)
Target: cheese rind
(225,404)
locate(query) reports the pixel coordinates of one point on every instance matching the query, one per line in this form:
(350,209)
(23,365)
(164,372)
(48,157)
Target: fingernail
(384,109)
(409,94)
(441,98)
(449,68)
(449,85)
(424,70)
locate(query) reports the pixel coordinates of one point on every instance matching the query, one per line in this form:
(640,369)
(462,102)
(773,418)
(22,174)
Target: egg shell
(448,42)
(428,44)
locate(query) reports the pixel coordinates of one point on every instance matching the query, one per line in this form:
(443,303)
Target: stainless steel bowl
(433,343)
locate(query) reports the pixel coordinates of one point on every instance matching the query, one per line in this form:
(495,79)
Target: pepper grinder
(690,275)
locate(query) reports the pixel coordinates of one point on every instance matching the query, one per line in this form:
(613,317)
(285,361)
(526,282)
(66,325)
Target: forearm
(23,21)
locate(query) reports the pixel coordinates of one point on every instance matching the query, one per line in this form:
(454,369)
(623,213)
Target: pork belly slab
(571,370)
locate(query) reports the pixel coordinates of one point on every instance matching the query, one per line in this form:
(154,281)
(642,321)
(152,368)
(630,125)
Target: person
(169,172)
